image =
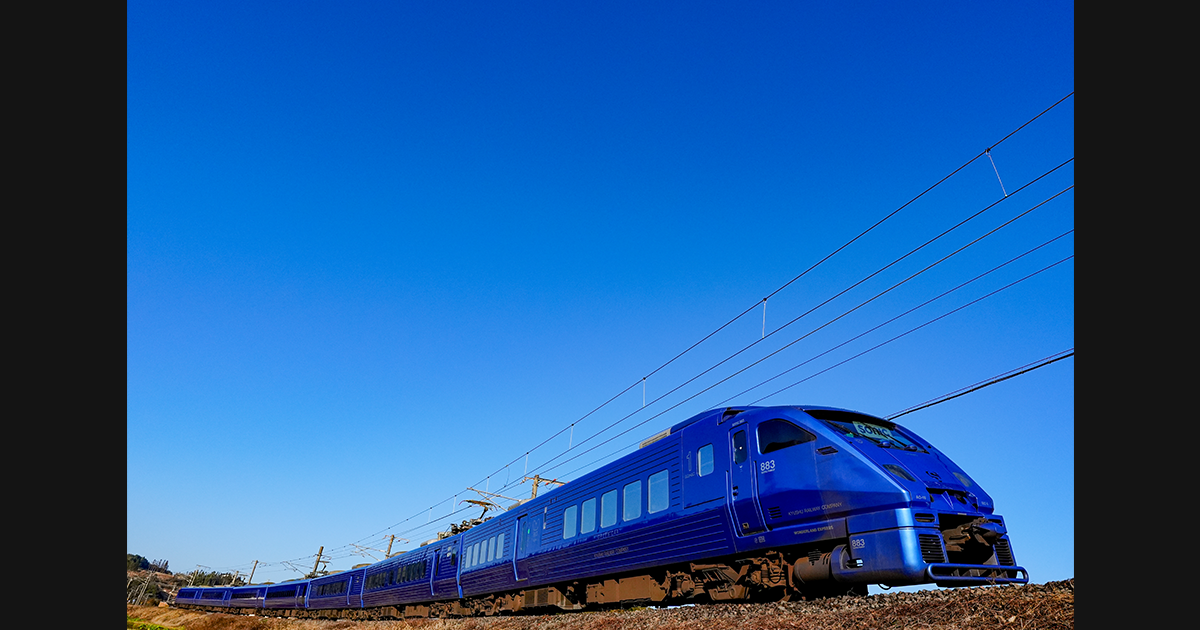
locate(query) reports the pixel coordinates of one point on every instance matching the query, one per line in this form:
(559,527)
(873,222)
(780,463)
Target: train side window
(569,522)
(777,434)
(660,491)
(704,459)
(500,546)
(633,501)
(608,508)
(491,553)
(588,518)
(739,447)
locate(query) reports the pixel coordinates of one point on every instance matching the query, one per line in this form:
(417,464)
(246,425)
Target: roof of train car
(721,411)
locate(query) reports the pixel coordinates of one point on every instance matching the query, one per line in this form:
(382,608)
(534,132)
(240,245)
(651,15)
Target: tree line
(134,562)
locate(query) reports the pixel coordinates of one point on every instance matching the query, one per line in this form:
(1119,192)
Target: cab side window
(777,434)
(739,447)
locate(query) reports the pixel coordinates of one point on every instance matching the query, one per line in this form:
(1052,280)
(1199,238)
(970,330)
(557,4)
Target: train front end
(918,518)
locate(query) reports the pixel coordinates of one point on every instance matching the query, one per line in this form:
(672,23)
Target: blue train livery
(733,504)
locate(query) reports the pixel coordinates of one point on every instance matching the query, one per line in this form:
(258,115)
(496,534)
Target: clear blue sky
(379,250)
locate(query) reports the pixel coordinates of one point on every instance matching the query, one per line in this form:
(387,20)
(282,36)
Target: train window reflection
(608,508)
(660,492)
(777,434)
(632,501)
(875,431)
(569,523)
(704,459)
(588,518)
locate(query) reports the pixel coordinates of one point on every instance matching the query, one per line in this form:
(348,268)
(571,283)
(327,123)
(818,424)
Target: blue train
(733,504)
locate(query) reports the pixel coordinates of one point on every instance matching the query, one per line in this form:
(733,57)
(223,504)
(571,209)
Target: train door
(743,496)
(445,571)
(788,483)
(529,533)
(705,462)
(354,597)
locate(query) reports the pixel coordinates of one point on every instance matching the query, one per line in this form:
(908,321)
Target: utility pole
(537,481)
(250,580)
(313,573)
(197,570)
(388,553)
(137,600)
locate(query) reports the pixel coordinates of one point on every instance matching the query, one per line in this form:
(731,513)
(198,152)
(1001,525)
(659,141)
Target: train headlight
(899,472)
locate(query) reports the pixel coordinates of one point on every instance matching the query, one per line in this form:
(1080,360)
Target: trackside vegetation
(133,623)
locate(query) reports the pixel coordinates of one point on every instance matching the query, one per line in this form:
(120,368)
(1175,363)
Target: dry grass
(1041,606)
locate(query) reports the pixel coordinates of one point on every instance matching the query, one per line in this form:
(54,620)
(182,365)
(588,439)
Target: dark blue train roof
(721,411)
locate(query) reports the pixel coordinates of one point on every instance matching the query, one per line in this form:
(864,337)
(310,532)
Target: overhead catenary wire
(957,393)
(860,354)
(901,315)
(798,277)
(961,392)
(912,330)
(455,512)
(571,426)
(542,468)
(999,378)
(839,294)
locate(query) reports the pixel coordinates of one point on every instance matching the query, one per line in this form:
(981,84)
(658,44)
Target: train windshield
(885,435)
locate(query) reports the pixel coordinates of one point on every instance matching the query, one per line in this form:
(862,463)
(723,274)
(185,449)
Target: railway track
(772,577)
(1049,606)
